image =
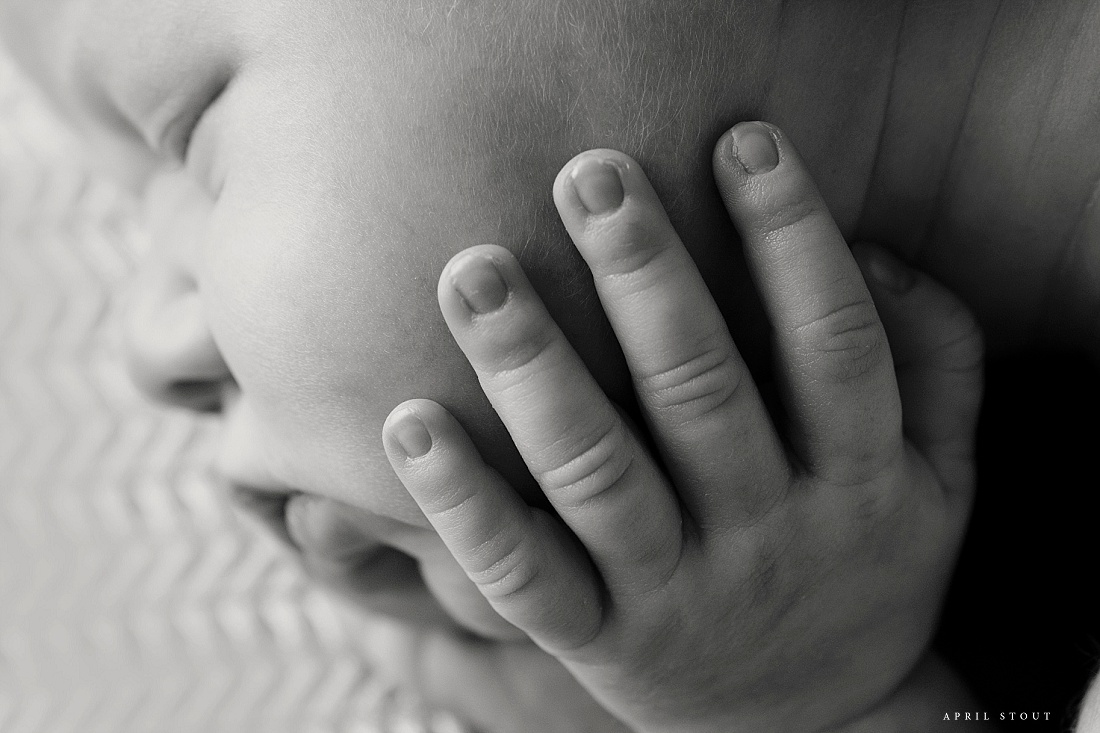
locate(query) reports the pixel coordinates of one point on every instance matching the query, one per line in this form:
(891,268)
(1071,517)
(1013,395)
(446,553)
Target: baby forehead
(121,63)
(56,38)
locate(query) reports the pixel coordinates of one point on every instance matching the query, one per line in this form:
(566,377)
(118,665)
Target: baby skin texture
(332,156)
(733,565)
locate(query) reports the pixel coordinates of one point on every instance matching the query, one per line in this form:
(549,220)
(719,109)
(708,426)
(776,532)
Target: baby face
(314,165)
(334,156)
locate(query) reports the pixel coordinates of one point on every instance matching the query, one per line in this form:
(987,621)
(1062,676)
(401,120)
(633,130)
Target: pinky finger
(522,559)
(937,349)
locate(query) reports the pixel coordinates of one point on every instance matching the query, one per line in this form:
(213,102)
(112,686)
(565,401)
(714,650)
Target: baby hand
(767,569)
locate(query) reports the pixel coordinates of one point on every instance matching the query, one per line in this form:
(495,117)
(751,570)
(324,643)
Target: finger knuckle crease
(509,575)
(849,337)
(593,471)
(788,215)
(448,503)
(700,385)
(513,362)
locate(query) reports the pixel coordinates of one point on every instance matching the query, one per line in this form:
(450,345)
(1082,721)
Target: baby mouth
(306,524)
(372,575)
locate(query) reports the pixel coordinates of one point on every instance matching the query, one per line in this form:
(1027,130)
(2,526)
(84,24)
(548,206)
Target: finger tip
(407,433)
(322,528)
(396,413)
(604,154)
(727,170)
(415,404)
(884,269)
(749,148)
(462,256)
(296,513)
(451,302)
(746,126)
(563,182)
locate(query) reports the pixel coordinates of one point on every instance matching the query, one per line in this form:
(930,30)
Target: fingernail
(321,527)
(479,283)
(598,185)
(891,272)
(753,145)
(411,435)
(304,520)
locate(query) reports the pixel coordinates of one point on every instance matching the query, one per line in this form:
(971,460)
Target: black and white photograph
(549,366)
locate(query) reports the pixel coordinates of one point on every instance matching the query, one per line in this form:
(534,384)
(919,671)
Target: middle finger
(588,462)
(699,398)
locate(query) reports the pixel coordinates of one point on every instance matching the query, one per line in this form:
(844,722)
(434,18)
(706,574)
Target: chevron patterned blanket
(132,598)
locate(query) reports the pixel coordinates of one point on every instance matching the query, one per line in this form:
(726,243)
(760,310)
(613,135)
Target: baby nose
(171,353)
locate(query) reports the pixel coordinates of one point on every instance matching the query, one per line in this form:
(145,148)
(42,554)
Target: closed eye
(175,143)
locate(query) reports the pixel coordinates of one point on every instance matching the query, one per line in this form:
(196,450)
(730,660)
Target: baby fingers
(622,525)
(521,558)
(696,392)
(834,360)
(588,462)
(937,347)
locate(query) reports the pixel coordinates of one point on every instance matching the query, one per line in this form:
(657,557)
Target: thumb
(938,353)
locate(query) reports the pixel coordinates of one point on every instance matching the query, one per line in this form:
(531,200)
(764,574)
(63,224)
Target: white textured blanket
(131,596)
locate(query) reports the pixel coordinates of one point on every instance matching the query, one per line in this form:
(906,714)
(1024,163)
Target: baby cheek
(322,352)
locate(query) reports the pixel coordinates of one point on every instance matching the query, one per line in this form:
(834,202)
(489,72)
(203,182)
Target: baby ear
(171,353)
